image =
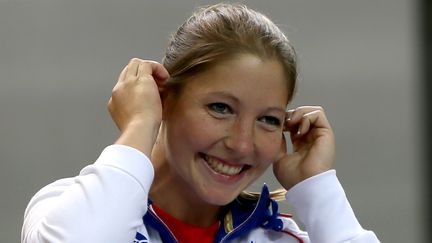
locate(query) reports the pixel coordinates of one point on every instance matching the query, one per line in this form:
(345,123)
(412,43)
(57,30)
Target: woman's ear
(167,101)
(283,148)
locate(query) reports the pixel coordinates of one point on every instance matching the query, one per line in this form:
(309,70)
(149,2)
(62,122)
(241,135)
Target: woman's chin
(219,197)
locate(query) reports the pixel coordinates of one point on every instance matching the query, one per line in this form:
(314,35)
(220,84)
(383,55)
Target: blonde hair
(220,32)
(278,195)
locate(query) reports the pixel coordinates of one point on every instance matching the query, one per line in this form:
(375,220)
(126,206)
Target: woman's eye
(271,120)
(220,108)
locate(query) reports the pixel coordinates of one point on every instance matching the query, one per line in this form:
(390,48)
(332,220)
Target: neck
(172,194)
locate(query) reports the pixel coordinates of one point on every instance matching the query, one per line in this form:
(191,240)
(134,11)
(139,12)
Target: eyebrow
(235,99)
(278,109)
(225,95)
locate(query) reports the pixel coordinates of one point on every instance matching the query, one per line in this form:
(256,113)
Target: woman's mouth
(223,168)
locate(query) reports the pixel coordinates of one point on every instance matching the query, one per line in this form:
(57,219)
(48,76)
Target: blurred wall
(60,59)
(425,8)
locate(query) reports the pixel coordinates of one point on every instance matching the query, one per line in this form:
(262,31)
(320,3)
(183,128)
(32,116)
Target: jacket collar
(247,215)
(241,217)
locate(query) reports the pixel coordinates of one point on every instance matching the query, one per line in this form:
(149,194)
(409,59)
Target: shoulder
(261,222)
(291,229)
(290,233)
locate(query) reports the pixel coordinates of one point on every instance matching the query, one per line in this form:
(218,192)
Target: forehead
(246,77)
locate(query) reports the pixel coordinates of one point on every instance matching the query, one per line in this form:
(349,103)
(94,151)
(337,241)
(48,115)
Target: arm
(105,203)
(313,189)
(321,205)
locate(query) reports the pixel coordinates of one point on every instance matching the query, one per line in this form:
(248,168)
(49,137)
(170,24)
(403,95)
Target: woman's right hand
(135,105)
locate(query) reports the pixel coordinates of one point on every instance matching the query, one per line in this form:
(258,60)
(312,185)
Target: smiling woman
(222,132)
(196,131)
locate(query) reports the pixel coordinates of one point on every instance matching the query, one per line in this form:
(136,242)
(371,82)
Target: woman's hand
(313,146)
(135,105)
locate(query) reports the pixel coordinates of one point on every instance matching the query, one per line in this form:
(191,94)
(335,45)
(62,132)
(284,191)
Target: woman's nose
(240,139)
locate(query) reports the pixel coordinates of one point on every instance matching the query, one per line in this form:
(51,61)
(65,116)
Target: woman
(196,132)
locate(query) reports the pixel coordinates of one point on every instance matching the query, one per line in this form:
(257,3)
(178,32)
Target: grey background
(60,59)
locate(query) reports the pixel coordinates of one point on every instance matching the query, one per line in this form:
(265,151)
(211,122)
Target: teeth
(222,168)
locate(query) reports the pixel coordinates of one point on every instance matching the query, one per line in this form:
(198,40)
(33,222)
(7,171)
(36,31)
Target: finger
(132,69)
(312,119)
(157,70)
(298,113)
(292,121)
(292,128)
(123,74)
(288,115)
(305,122)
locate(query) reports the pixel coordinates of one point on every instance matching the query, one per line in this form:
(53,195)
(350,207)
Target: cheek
(270,147)
(198,132)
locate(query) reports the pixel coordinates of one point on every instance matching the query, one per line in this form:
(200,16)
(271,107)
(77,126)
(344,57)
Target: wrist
(140,134)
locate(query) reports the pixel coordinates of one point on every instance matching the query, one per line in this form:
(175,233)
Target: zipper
(242,224)
(152,213)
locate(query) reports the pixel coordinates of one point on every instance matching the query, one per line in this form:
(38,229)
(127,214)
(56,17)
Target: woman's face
(225,129)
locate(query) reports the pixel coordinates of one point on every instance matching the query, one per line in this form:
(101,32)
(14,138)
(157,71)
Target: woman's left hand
(313,146)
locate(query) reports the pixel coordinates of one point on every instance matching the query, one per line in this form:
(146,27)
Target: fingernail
(290,112)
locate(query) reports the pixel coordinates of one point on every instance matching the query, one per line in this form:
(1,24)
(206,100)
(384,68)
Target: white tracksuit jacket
(108,202)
